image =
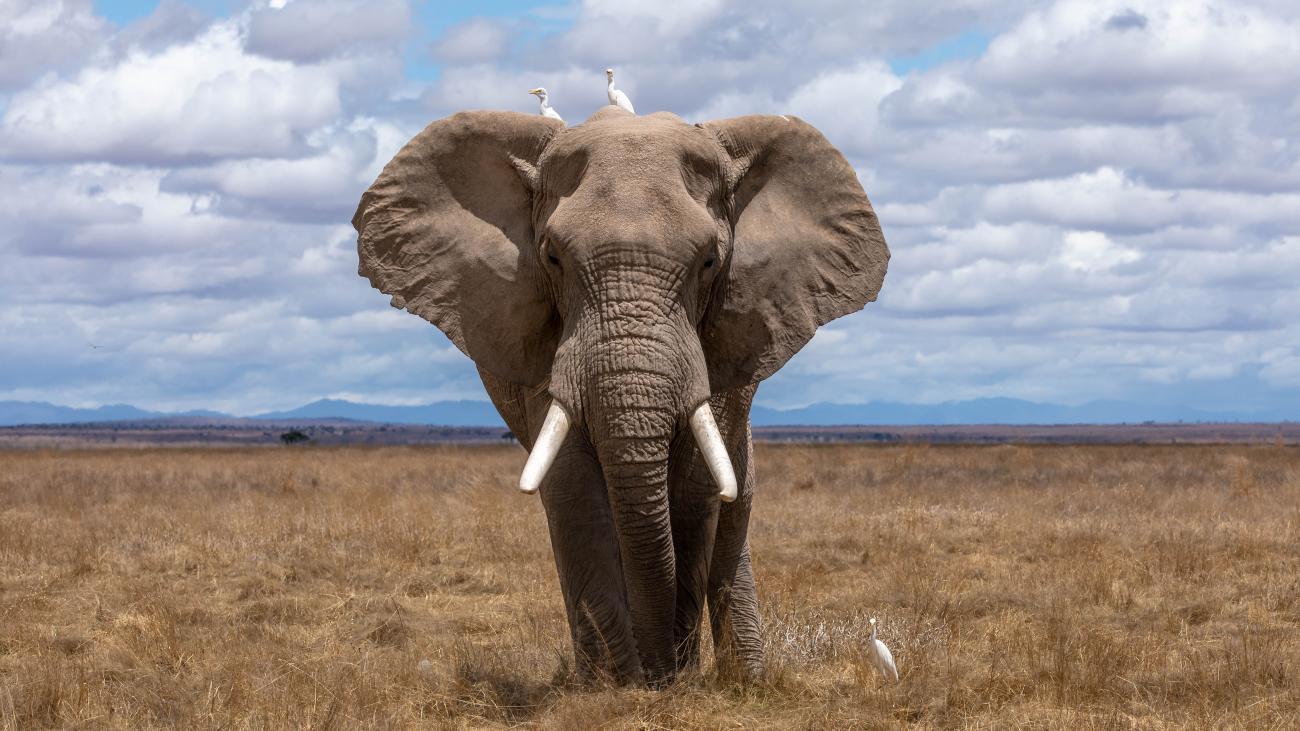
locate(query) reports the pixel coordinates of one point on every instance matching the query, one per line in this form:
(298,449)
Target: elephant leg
(733,613)
(733,600)
(693,506)
(590,570)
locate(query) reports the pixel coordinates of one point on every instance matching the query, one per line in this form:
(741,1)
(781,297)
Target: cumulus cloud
(322,186)
(1181,43)
(40,37)
(311,31)
(171,22)
(1127,19)
(475,40)
(204,99)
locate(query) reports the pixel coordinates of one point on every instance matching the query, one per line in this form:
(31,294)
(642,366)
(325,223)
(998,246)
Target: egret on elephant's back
(616,96)
(544,107)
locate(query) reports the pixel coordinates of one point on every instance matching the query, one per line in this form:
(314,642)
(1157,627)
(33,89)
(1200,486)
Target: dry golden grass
(1019,587)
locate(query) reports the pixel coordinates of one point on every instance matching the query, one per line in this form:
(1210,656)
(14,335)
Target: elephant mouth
(703,426)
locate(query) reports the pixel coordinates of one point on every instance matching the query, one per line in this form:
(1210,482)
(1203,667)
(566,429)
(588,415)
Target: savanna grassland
(1019,587)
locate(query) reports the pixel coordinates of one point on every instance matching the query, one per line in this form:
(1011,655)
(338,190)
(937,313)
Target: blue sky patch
(125,11)
(970,44)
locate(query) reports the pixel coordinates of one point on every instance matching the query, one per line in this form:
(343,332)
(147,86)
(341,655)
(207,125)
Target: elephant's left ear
(807,249)
(447,230)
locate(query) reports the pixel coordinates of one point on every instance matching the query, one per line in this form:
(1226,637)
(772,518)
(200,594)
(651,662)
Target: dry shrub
(1018,586)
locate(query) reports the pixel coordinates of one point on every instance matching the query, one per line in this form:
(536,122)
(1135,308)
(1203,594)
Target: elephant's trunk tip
(547,445)
(709,440)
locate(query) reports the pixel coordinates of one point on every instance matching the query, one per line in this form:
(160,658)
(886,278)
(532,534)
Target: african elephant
(623,286)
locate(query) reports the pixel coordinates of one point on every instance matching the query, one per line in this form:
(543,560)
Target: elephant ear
(446,229)
(807,247)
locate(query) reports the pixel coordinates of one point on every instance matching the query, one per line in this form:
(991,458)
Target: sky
(1084,199)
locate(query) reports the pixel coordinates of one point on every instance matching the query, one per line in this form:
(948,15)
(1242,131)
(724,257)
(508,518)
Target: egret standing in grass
(881,657)
(544,104)
(616,97)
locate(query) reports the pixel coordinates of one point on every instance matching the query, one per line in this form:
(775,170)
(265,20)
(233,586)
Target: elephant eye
(549,250)
(708,263)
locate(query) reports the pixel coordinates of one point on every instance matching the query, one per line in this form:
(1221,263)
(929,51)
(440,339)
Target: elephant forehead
(645,149)
(646,215)
(633,179)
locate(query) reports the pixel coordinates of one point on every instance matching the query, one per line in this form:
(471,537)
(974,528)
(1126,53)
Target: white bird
(544,105)
(616,97)
(881,657)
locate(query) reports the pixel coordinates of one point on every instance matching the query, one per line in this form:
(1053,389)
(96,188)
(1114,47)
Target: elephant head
(630,269)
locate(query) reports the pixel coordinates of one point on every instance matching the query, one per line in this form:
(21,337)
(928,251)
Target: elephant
(622,286)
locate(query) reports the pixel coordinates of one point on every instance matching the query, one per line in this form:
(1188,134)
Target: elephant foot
(745,671)
(595,666)
(737,660)
(603,658)
(590,672)
(660,681)
(688,653)
(594,677)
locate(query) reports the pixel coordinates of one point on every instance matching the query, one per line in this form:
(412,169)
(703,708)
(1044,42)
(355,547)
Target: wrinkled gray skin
(629,269)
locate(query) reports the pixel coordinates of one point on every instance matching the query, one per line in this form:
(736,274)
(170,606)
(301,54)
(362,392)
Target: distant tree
(509,436)
(293,436)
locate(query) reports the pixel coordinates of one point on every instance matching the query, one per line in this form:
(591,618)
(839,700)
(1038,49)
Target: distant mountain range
(40,412)
(482,413)
(441,413)
(1001,411)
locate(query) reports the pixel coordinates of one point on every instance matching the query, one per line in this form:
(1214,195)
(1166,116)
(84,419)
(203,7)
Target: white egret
(544,105)
(616,97)
(881,657)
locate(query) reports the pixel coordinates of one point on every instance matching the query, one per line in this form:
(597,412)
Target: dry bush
(1044,587)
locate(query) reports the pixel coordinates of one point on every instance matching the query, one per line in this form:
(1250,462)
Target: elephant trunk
(633,446)
(630,374)
(642,370)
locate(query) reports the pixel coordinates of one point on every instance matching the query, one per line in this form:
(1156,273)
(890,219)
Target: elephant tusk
(554,429)
(709,440)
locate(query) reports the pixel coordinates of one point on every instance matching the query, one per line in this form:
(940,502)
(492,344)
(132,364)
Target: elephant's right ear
(447,230)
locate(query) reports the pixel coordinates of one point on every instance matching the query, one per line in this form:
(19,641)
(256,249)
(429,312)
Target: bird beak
(534,91)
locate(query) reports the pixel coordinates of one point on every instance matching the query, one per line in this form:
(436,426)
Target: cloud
(319,29)
(1127,19)
(41,37)
(475,40)
(1206,44)
(622,30)
(844,104)
(702,60)
(170,23)
(54,210)
(1109,200)
(322,186)
(201,100)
